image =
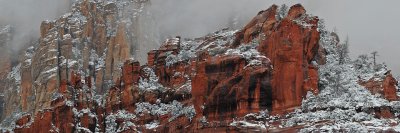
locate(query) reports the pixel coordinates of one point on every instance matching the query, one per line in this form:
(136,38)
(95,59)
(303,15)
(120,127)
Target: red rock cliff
(87,81)
(290,44)
(385,86)
(266,65)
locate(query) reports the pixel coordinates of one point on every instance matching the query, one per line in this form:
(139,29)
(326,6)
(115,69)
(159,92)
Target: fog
(25,17)
(371,25)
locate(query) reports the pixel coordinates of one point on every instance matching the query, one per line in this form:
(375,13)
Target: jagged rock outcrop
(170,75)
(228,73)
(85,48)
(291,44)
(92,41)
(223,84)
(10,78)
(5,60)
(86,74)
(387,86)
(233,89)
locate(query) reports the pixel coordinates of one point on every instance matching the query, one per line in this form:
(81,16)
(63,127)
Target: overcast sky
(26,15)
(370,24)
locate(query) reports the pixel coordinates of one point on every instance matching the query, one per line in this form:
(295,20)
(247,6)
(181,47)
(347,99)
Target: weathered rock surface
(5,61)
(92,41)
(227,88)
(386,86)
(86,73)
(292,45)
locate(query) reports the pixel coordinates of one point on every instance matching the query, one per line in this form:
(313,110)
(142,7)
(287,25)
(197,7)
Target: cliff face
(386,86)
(291,44)
(94,41)
(84,49)
(226,87)
(87,73)
(5,61)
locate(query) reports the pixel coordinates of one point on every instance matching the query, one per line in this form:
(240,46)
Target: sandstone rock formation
(386,86)
(292,45)
(85,48)
(86,73)
(92,40)
(223,84)
(5,61)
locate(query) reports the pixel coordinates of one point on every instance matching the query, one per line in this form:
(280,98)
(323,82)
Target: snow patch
(175,109)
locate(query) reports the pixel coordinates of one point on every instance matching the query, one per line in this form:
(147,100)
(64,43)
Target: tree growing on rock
(282,11)
(374,54)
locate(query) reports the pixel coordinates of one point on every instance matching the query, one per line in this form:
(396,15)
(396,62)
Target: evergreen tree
(343,50)
(282,12)
(374,55)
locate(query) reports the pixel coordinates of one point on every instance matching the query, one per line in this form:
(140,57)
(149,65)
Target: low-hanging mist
(197,18)
(371,25)
(25,17)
